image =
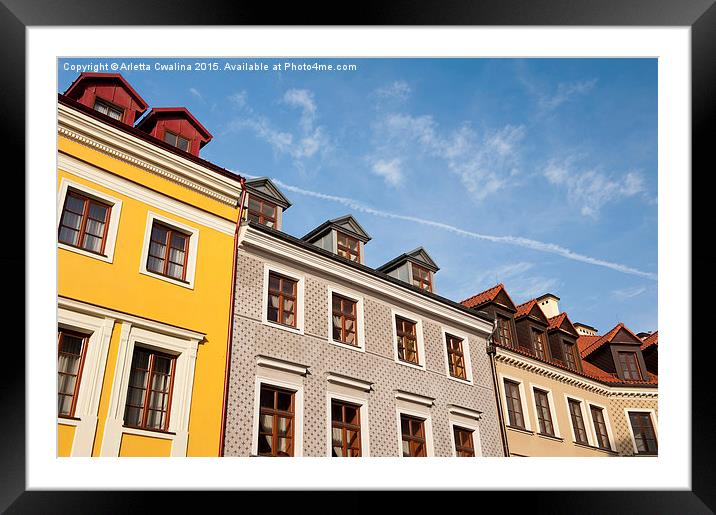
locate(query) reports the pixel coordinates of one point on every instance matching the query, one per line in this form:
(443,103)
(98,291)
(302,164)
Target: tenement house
(565,390)
(331,357)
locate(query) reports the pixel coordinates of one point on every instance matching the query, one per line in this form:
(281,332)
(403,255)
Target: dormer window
(176,140)
(110,110)
(348,247)
(262,211)
(504,332)
(569,357)
(422,278)
(630,365)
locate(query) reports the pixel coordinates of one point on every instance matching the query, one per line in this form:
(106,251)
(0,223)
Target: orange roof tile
(652,339)
(585,350)
(585,341)
(483,297)
(524,309)
(556,321)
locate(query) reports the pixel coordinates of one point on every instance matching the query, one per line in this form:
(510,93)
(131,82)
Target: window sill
(346,346)
(83,252)
(459,380)
(184,284)
(521,430)
(409,364)
(68,421)
(593,448)
(551,437)
(290,329)
(152,433)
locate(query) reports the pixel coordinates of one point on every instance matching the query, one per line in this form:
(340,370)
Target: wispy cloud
(530,287)
(628,293)
(483,162)
(239,99)
(398,90)
(507,240)
(196,93)
(590,190)
(390,171)
(565,91)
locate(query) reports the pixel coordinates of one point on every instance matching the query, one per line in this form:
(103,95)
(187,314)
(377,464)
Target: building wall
(119,286)
(375,365)
(561,386)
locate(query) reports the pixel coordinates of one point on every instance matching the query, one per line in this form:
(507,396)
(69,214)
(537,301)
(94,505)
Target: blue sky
(538,173)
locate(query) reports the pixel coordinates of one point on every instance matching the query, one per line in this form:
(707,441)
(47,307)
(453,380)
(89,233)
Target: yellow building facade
(146,239)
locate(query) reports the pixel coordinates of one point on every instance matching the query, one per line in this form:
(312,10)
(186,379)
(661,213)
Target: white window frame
(552,410)
(167,339)
(280,379)
(462,417)
(588,427)
(654,424)
(418,335)
(523,402)
(605,414)
(189,273)
(421,413)
(465,352)
(359,398)
(360,317)
(99,328)
(113,225)
(300,292)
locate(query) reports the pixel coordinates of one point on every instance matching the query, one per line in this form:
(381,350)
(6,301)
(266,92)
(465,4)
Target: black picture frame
(16,15)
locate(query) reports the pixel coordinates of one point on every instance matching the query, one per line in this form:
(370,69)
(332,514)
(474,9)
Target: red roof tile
(652,339)
(524,309)
(587,347)
(585,341)
(483,297)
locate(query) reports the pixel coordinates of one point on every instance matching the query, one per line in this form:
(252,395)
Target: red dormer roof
(486,296)
(112,88)
(652,339)
(589,344)
(556,323)
(178,121)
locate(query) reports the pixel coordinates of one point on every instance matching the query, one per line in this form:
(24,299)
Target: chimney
(549,304)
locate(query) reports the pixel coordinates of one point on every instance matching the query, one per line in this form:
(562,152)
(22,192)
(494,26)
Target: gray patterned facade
(310,361)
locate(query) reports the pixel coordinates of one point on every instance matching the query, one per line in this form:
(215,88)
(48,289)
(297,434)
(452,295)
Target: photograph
(374,257)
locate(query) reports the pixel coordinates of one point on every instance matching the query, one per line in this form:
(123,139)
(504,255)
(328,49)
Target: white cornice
(537,367)
(279,364)
(350,382)
(343,273)
(142,154)
(464,412)
(414,397)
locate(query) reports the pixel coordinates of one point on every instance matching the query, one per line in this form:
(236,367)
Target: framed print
(215,297)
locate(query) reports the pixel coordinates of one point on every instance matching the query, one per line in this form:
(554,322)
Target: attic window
(262,212)
(422,278)
(348,247)
(108,109)
(630,365)
(177,141)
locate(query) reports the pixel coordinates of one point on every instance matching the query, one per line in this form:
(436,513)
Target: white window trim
(605,414)
(652,415)
(99,330)
(523,401)
(289,383)
(418,335)
(360,318)
(113,226)
(588,427)
(465,352)
(364,424)
(172,341)
(467,423)
(191,258)
(424,414)
(552,409)
(300,290)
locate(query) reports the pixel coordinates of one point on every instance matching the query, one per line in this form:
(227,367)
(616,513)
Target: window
(262,212)
(569,356)
(456,359)
(544,416)
(150,390)
(643,430)
(168,251)
(600,427)
(412,431)
(422,278)
(464,447)
(514,404)
(575,412)
(281,300)
(276,421)
(348,247)
(345,429)
(108,109)
(406,339)
(538,344)
(344,320)
(176,141)
(84,222)
(504,331)
(630,365)
(71,350)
